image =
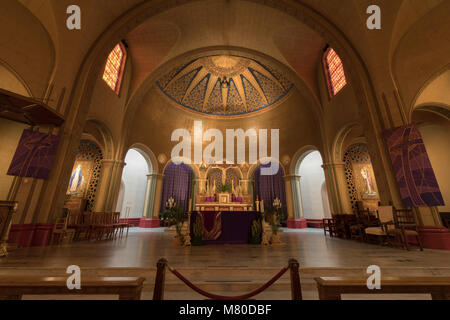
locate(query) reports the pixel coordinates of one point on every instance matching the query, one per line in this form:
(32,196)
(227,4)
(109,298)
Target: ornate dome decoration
(224,85)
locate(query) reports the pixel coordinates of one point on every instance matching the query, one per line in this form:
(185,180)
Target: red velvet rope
(218,297)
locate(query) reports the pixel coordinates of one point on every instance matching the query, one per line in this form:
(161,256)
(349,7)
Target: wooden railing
(331,288)
(293,266)
(13,288)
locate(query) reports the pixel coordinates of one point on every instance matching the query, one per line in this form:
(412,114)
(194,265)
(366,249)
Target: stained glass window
(114,68)
(335,72)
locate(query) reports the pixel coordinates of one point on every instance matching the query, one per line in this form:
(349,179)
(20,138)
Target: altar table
(236,226)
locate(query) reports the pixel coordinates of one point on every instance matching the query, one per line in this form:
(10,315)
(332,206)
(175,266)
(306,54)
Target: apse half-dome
(225,85)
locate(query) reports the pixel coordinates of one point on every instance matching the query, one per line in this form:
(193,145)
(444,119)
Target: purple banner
(34,155)
(412,167)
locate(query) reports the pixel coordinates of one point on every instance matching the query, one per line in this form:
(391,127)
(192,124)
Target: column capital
(112,162)
(291,177)
(157,175)
(333,165)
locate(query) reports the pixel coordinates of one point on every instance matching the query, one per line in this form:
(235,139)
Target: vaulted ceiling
(225,85)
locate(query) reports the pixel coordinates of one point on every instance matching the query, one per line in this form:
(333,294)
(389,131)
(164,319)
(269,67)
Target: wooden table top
(62,281)
(385,281)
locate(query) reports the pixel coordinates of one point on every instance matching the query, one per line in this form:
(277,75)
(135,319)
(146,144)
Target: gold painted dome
(224,85)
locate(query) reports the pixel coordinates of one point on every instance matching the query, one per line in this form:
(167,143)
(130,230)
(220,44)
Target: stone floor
(228,269)
(144,247)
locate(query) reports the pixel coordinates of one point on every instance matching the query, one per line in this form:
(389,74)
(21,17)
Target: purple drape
(177,184)
(413,171)
(269,187)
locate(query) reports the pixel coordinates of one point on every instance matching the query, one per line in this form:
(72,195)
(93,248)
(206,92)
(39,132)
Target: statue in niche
(368,182)
(75,180)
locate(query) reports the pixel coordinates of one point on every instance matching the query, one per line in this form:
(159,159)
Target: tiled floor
(226,269)
(144,247)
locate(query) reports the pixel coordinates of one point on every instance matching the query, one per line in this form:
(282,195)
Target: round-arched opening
(133,185)
(312,185)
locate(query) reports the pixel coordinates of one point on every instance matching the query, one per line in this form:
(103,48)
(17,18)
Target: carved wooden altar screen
(7,209)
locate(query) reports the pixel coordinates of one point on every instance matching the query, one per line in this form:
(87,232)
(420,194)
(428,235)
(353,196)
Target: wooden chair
(329,225)
(405,222)
(98,226)
(60,229)
(121,225)
(364,219)
(385,218)
(75,221)
(342,223)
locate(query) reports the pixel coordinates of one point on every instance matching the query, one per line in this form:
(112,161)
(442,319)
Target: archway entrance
(134,185)
(314,197)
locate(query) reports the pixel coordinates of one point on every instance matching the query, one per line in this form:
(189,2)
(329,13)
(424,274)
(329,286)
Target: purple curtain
(269,187)
(177,184)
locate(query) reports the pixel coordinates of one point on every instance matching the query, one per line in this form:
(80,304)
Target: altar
(223,202)
(226,227)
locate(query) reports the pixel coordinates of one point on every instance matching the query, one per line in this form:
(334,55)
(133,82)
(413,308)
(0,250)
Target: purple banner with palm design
(34,155)
(412,167)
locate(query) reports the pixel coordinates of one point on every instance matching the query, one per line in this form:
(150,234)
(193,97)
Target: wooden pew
(331,288)
(14,287)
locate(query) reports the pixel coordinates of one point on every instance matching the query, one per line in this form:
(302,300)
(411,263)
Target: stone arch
(187,162)
(429,98)
(337,152)
(100,133)
(93,62)
(148,155)
(265,160)
(299,156)
(10,80)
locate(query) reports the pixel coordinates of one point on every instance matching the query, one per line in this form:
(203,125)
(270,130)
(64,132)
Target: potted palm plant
(273,216)
(197,239)
(176,216)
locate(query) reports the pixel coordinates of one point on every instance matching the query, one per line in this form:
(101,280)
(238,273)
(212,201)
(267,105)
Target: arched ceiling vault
(244,24)
(224,85)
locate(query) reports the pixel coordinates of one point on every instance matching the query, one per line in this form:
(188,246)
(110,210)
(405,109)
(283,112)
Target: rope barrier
(219,297)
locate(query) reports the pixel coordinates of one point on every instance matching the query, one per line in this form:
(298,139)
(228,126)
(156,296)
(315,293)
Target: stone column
(337,188)
(148,219)
(104,186)
(292,195)
(297,197)
(154,220)
(149,196)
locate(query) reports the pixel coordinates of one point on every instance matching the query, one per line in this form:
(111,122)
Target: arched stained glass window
(334,70)
(114,67)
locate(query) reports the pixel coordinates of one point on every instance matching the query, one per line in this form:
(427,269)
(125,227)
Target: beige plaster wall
(157,117)
(436,139)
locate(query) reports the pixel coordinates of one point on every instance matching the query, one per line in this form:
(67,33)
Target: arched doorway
(314,197)
(133,185)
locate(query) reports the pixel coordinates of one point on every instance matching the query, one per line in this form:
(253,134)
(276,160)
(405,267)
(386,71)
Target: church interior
(225,140)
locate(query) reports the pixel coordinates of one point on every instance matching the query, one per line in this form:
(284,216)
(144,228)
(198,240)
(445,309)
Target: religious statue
(367,177)
(75,180)
(214,188)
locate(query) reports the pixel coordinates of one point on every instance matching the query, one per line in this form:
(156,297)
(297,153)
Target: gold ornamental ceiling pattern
(224,85)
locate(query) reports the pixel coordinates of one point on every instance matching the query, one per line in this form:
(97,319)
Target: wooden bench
(331,288)
(13,288)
